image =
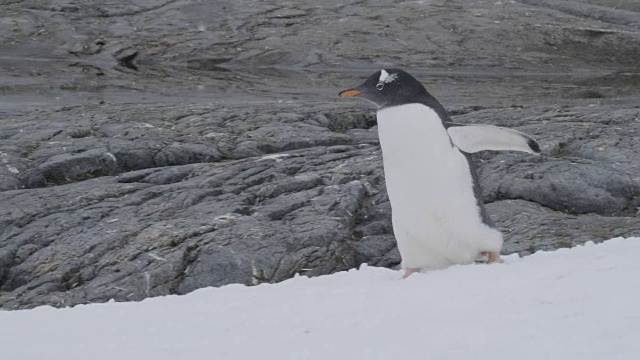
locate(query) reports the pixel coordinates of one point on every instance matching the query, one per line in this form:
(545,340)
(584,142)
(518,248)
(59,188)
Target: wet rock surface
(155,149)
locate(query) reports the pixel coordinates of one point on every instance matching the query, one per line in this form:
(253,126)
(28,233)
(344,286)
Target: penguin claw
(493,258)
(408,272)
(488,257)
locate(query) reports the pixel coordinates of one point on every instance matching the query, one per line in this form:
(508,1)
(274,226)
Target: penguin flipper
(474,138)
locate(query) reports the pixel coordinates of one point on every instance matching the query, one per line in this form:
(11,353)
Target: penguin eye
(380,86)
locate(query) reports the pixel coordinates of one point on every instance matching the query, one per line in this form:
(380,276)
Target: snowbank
(580,303)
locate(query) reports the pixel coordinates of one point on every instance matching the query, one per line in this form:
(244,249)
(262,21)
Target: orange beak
(350,93)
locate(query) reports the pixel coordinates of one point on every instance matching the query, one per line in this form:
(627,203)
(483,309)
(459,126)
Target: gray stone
(151,147)
(529,227)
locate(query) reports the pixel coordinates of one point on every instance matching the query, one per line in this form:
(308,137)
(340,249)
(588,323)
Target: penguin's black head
(389,87)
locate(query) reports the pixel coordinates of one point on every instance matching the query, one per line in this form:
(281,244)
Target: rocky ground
(156,147)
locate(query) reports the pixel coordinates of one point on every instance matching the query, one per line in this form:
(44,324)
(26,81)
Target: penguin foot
(493,257)
(408,272)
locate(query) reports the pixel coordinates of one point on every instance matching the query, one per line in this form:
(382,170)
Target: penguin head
(389,87)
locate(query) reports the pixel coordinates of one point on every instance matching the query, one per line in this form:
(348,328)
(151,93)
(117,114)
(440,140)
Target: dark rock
(587,164)
(529,227)
(174,229)
(159,147)
(573,187)
(64,168)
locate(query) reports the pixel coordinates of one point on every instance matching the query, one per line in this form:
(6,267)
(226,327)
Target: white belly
(436,220)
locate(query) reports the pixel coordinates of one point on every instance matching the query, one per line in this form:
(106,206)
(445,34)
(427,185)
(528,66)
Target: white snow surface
(580,303)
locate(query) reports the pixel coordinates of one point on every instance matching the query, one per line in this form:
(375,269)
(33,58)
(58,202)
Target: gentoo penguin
(437,211)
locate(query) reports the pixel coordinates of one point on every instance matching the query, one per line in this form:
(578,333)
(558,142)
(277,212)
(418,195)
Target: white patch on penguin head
(385,77)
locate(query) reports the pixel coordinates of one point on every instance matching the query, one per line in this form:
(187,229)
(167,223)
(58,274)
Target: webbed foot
(493,257)
(408,272)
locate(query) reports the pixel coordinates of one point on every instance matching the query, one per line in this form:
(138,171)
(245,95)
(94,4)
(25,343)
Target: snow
(580,303)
